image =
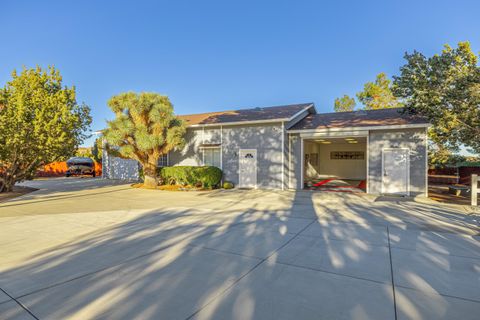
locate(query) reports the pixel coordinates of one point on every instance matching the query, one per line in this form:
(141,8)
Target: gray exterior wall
(266,138)
(294,158)
(190,155)
(118,168)
(413,139)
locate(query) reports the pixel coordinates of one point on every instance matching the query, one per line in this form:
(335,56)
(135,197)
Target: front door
(395,171)
(247,168)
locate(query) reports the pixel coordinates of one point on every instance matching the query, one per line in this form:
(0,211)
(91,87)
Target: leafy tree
(97,150)
(84,152)
(378,94)
(441,157)
(344,104)
(144,129)
(40,122)
(444,88)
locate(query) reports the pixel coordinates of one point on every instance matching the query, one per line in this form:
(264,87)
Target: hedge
(207,176)
(227,185)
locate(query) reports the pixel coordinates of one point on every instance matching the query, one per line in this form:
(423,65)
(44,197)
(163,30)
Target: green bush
(227,185)
(208,177)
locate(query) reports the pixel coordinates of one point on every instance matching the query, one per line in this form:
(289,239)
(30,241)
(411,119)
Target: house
(294,147)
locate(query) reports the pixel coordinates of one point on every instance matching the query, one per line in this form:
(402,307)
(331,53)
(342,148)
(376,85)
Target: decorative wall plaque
(347,155)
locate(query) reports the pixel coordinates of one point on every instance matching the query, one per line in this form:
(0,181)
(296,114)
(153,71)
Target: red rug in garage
(334,184)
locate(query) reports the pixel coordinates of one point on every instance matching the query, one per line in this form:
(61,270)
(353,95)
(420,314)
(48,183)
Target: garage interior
(335,164)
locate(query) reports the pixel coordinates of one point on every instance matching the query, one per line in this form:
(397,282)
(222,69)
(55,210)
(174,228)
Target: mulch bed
(16,192)
(169,187)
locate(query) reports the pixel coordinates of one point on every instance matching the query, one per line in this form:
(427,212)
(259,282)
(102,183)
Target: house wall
(266,138)
(415,141)
(294,158)
(190,155)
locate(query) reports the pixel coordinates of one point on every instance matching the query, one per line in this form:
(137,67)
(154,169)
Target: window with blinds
(211,157)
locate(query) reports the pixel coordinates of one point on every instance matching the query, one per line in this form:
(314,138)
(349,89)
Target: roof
(362,118)
(265,114)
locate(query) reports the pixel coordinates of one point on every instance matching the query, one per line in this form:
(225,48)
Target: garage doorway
(337,164)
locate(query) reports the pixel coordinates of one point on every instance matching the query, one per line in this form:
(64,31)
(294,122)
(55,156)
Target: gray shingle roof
(280,113)
(364,118)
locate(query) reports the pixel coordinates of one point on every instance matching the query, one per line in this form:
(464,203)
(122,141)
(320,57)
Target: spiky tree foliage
(344,104)
(445,88)
(144,129)
(40,122)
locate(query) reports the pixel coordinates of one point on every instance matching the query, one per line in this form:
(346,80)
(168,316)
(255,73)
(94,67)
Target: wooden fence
(460,175)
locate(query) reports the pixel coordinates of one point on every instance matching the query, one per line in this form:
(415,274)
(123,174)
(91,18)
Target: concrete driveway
(95,249)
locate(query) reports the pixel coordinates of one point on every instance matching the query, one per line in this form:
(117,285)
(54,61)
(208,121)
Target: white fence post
(474,189)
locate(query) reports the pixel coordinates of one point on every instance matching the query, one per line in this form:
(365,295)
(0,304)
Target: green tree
(441,157)
(84,152)
(97,150)
(144,129)
(444,88)
(40,122)
(343,104)
(378,94)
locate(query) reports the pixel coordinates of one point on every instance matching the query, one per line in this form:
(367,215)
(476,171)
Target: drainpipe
(283,155)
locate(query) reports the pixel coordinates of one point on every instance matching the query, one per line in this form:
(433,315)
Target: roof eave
(233,123)
(384,127)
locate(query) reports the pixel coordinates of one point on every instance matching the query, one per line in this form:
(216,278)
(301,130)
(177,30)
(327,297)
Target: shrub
(227,185)
(208,177)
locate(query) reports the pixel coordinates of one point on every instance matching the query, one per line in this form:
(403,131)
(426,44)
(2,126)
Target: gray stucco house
(294,147)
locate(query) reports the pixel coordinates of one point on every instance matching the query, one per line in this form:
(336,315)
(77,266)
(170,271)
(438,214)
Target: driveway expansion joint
(133,259)
(438,294)
(391,273)
(19,303)
(331,272)
(435,252)
(250,271)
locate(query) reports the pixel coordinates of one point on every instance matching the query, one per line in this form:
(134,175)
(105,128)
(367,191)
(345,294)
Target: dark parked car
(80,166)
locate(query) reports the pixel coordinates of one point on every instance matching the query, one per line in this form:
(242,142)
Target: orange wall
(57,169)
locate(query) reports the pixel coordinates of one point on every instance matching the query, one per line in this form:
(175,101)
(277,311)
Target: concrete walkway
(96,249)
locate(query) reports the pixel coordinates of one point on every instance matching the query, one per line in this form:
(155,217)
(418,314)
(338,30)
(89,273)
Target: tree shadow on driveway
(311,260)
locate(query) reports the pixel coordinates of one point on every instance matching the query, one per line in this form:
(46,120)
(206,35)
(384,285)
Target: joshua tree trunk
(150,175)
(150,181)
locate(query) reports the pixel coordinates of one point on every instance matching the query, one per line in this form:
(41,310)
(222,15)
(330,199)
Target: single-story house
(294,147)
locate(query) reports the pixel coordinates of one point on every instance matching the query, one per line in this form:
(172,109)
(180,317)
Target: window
(163,161)
(211,157)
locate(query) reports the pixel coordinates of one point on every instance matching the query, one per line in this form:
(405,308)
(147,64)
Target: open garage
(335,164)
(374,151)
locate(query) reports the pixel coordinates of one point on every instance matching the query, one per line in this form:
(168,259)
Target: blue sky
(218,55)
